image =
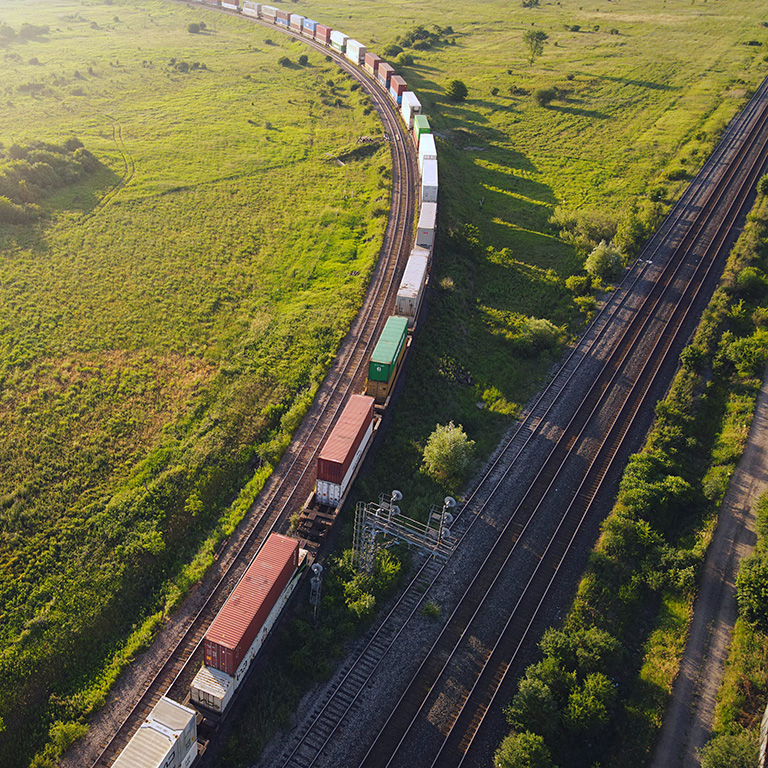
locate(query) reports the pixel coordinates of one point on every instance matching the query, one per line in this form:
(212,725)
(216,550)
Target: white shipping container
(411,107)
(231,5)
(251,9)
(427,149)
(425,230)
(166,739)
(331,493)
(296,21)
(429,181)
(269,12)
(338,40)
(411,289)
(355,51)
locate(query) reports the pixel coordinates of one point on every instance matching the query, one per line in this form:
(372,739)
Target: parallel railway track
(292,480)
(443,706)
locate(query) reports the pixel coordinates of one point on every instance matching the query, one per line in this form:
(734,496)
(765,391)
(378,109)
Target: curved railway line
(284,493)
(572,434)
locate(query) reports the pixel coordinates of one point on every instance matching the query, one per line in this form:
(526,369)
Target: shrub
(762,185)
(604,262)
(392,50)
(739,751)
(448,452)
(284,61)
(523,750)
(543,96)
(577,284)
(494,91)
(404,60)
(752,589)
(303,60)
(456,90)
(193,28)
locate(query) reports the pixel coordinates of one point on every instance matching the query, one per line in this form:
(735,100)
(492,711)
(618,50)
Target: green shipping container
(420,125)
(386,356)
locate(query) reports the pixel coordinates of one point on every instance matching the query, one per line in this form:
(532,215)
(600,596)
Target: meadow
(165,321)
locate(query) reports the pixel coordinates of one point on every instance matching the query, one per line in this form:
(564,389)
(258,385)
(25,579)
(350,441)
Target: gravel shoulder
(690,714)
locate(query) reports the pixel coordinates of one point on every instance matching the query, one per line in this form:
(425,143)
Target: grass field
(166,324)
(161,321)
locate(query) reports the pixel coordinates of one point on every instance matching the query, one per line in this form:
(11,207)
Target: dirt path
(689,717)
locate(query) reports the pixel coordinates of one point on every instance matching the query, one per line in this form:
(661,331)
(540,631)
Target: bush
(456,90)
(731,752)
(577,284)
(523,750)
(303,60)
(448,453)
(392,50)
(604,262)
(193,28)
(752,589)
(543,96)
(762,185)
(284,61)
(404,60)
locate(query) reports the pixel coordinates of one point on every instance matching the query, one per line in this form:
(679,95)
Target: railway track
(292,480)
(443,706)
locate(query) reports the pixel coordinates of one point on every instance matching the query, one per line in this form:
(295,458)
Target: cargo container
(372,62)
(384,74)
(251,9)
(420,126)
(343,449)
(166,739)
(429,181)
(411,107)
(282,17)
(355,51)
(384,364)
(425,230)
(233,6)
(339,40)
(323,34)
(296,22)
(412,285)
(427,149)
(308,28)
(212,687)
(228,640)
(269,13)
(397,88)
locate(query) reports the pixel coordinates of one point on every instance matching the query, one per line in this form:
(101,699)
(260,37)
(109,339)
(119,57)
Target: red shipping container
(397,84)
(235,627)
(283,16)
(372,62)
(336,455)
(323,34)
(385,73)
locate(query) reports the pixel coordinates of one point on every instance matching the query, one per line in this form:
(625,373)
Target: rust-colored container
(339,450)
(397,85)
(385,73)
(323,34)
(282,17)
(372,62)
(235,628)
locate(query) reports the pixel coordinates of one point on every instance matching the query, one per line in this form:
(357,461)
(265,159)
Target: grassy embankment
(165,323)
(599,695)
(644,108)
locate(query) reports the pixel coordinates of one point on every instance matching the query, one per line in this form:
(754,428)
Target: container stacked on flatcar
(411,106)
(355,52)
(385,361)
(412,286)
(251,9)
(427,224)
(323,34)
(239,630)
(397,88)
(232,5)
(420,127)
(339,41)
(308,28)
(340,455)
(296,22)
(372,62)
(166,739)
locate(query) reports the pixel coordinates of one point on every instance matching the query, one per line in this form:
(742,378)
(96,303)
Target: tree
(523,750)
(534,708)
(752,589)
(456,90)
(589,705)
(762,185)
(448,452)
(303,60)
(731,752)
(604,262)
(193,28)
(534,40)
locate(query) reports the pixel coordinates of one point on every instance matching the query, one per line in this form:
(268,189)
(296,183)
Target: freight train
(168,736)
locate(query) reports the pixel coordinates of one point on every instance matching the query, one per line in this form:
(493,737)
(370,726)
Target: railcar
(384,365)
(412,286)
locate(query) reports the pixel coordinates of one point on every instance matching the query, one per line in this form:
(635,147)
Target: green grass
(164,326)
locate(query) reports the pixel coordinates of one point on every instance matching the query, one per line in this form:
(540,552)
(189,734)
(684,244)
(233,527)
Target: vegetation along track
(292,480)
(629,348)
